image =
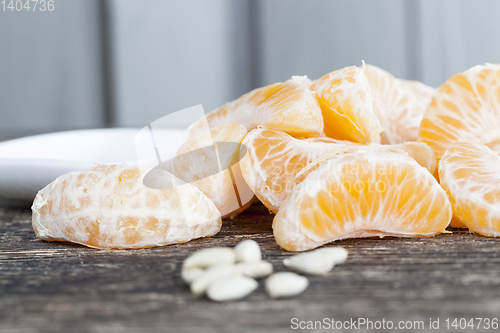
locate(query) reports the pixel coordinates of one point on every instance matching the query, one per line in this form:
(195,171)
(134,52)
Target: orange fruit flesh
(345,188)
(109,207)
(362,195)
(398,104)
(272,161)
(289,106)
(346,103)
(470,174)
(419,151)
(464,108)
(276,162)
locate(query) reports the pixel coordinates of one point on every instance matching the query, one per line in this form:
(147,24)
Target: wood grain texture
(61,287)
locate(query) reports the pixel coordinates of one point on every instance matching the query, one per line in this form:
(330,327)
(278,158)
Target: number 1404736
(472,324)
(27,5)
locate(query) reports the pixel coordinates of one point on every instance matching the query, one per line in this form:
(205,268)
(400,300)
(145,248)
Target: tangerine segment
(398,104)
(470,174)
(419,151)
(362,195)
(464,108)
(274,158)
(289,107)
(108,206)
(203,166)
(347,105)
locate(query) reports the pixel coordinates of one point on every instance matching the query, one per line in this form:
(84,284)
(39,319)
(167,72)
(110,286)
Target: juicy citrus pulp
(464,108)
(470,174)
(398,104)
(276,161)
(361,195)
(274,158)
(109,207)
(347,105)
(286,106)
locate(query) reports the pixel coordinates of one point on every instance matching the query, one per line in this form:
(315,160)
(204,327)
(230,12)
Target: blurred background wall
(108,63)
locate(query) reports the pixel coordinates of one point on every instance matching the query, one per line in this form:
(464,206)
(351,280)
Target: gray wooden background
(101,63)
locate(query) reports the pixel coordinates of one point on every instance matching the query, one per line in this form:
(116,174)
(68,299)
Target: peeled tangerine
(464,108)
(362,195)
(286,106)
(419,151)
(470,174)
(210,161)
(398,104)
(275,161)
(107,206)
(347,105)
(274,158)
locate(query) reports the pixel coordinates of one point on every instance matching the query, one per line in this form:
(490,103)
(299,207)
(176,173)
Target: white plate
(29,164)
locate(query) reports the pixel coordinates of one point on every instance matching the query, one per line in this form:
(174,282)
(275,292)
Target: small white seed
(248,251)
(201,284)
(231,288)
(314,262)
(209,257)
(188,275)
(256,269)
(286,284)
(338,253)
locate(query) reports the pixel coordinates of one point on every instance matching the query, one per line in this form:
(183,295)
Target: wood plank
(64,287)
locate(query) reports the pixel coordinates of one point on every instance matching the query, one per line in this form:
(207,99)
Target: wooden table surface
(60,287)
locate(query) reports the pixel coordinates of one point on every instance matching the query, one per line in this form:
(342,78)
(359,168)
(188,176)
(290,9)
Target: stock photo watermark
(354,324)
(166,167)
(163,167)
(27,5)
